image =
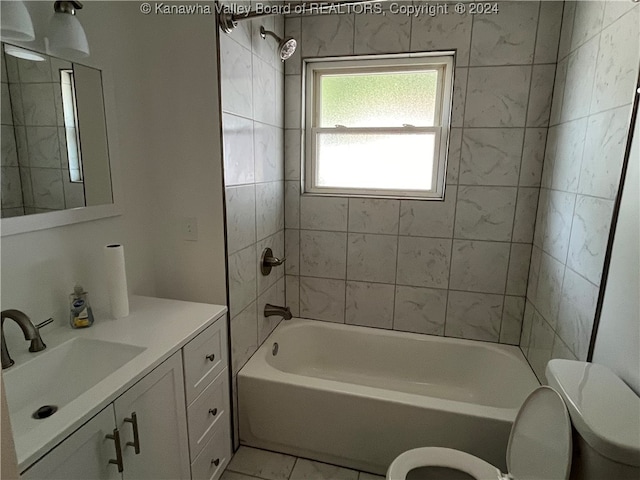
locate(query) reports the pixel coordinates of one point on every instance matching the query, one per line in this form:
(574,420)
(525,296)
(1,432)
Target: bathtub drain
(274,351)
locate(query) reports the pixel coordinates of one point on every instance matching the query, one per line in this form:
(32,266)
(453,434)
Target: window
(377,126)
(71,125)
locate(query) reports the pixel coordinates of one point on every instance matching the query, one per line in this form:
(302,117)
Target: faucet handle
(268,261)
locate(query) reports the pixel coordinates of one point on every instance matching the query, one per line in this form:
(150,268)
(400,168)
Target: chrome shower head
(286,46)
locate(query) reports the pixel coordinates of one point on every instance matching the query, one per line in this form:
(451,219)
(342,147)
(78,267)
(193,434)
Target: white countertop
(160,326)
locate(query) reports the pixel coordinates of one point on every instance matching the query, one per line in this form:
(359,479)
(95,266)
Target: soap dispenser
(81,315)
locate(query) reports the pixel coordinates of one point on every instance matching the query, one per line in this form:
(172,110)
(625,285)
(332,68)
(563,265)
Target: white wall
(161,86)
(618,340)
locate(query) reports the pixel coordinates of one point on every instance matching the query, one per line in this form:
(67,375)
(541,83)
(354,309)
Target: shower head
(286,46)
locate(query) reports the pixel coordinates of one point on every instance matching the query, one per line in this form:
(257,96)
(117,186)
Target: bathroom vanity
(146,396)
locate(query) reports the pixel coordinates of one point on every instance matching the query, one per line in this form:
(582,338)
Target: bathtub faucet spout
(275,310)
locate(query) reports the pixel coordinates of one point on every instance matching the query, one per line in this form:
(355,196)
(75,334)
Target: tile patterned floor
(254,464)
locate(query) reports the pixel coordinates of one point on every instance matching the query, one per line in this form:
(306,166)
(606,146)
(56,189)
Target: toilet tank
(605,414)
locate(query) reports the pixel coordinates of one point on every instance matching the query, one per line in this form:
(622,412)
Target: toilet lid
(540,441)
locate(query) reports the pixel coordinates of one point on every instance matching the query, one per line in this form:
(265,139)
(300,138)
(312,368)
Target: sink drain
(44,412)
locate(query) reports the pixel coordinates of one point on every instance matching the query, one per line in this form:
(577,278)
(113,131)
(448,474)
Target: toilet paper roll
(116,280)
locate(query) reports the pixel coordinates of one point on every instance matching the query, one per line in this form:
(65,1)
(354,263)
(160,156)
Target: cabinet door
(84,455)
(155,407)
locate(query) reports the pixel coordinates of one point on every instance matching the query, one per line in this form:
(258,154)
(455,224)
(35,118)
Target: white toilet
(606,417)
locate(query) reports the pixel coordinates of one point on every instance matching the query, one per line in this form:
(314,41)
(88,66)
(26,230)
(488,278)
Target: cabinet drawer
(215,455)
(206,413)
(204,358)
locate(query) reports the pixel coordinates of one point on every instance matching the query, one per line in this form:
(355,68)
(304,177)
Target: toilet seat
(539,446)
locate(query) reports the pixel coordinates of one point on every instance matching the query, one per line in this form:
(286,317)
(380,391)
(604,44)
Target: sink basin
(58,376)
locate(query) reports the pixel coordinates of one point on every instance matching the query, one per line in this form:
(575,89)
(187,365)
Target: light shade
(23,53)
(66,36)
(15,22)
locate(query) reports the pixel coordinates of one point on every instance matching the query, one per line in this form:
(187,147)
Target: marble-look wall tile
(369,304)
(453,157)
(540,96)
(420,310)
(579,81)
(323,254)
(269,152)
(274,295)
(244,337)
(264,48)
(507,37)
(534,274)
(512,314)
(323,213)
(525,216)
(577,312)
(292,154)
(565,162)
(419,218)
(538,234)
(587,22)
(549,288)
(443,32)
(292,204)
(242,279)
(549,22)
(518,269)
(370,215)
(560,350)
(322,299)
(236,77)
(292,28)
(269,208)
(292,101)
(497,96)
(589,235)
(11,187)
(264,88)
(461,75)
(605,143)
(558,221)
(35,72)
(372,257)
(423,262)
(485,213)
(613,10)
(292,294)
(27,189)
(15,95)
(38,104)
(9,148)
(276,244)
(48,191)
(527,321)
(241,217)
(566,30)
(558,91)
(237,135)
(479,266)
(292,251)
(376,33)
(327,35)
(540,346)
(532,157)
(475,316)
(491,156)
(6,99)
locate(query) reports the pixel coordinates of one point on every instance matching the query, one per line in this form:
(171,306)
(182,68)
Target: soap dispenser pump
(81,315)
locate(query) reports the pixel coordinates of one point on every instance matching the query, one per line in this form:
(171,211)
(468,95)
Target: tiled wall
(35,169)
(458,267)
(596,74)
(252,78)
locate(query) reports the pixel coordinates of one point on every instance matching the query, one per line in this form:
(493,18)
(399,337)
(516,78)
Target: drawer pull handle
(213,411)
(136,437)
(211,357)
(215,462)
(118,461)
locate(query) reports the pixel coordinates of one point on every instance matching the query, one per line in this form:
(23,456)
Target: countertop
(160,326)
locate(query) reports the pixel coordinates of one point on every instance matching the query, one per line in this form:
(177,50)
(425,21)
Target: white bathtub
(358,397)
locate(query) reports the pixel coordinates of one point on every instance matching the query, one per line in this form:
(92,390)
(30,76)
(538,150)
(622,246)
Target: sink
(58,376)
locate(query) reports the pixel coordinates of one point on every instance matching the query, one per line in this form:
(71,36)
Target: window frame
(312,71)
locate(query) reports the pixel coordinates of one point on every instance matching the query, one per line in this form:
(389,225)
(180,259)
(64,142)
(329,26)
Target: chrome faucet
(30,331)
(276,311)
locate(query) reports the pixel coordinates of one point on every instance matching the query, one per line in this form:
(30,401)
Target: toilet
(604,442)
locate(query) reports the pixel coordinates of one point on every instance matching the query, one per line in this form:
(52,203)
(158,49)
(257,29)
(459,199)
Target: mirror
(54,153)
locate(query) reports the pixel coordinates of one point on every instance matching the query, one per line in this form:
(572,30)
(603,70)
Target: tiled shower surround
(597,70)
(456,267)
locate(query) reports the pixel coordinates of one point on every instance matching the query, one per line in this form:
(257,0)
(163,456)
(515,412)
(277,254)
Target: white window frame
(314,68)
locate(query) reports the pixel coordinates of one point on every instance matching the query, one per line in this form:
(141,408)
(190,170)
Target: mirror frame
(43,221)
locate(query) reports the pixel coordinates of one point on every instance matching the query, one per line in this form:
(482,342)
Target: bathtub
(358,397)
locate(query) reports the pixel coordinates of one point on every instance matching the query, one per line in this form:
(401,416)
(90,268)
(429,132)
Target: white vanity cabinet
(174,423)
